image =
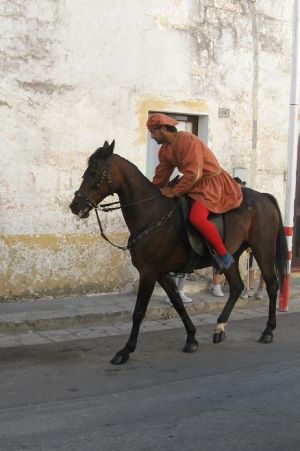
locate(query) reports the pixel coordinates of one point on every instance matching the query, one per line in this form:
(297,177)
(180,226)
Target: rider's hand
(167,191)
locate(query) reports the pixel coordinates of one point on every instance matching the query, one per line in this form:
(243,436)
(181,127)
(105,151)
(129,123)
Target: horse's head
(96,183)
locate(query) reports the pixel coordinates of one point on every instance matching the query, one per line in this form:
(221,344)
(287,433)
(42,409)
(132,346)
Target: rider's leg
(198,217)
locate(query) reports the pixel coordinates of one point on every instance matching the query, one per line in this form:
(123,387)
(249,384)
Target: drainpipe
(292,157)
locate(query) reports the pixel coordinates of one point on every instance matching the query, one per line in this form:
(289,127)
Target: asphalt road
(238,395)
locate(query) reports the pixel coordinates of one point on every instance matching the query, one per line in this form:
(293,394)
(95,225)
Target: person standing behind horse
(209,186)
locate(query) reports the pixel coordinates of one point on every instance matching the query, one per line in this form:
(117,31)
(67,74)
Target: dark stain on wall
(44,87)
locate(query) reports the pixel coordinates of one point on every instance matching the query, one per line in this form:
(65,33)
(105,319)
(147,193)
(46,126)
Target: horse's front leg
(170,288)
(145,290)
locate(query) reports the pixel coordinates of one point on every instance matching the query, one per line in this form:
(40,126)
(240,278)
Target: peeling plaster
(73,75)
(3,103)
(45,87)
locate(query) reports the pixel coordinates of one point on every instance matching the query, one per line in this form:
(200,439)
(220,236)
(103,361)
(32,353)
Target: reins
(107,208)
(107,177)
(141,235)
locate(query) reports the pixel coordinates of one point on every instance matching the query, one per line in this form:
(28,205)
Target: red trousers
(198,217)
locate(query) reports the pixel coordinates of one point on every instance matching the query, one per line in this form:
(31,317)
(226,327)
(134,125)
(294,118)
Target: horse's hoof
(191,347)
(266,338)
(119,359)
(218,337)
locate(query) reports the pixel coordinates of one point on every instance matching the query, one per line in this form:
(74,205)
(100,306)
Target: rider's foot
(227,260)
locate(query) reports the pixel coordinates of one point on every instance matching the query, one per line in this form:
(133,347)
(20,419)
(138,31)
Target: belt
(204,177)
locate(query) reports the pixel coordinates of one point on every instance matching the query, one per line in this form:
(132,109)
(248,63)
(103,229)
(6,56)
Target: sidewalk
(69,318)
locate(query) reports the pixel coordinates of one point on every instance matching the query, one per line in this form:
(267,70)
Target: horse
(158,241)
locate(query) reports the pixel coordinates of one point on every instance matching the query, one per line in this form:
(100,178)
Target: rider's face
(157,135)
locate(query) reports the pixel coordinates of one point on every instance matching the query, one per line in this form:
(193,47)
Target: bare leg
(261,282)
(251,279)
(216,289)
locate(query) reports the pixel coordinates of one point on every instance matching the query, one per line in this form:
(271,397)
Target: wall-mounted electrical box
(224,112)
(242,173)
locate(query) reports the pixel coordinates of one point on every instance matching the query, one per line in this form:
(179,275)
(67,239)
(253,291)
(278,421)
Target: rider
(210,187)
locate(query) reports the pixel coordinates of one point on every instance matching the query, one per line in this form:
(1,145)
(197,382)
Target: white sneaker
(259,293)
(184,298)
(245,294)
(217,291)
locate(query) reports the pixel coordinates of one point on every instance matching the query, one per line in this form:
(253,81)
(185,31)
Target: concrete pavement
(28,322)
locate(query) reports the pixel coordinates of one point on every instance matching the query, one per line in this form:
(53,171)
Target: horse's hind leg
(272,285)
(236,286)
(145,290)
(170,288)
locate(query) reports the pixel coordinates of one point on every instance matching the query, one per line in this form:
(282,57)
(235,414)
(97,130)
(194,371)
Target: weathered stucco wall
(74,74)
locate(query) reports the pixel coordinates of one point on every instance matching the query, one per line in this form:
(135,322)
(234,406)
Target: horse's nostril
(73,205)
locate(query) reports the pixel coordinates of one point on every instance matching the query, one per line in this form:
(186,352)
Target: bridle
(107,177)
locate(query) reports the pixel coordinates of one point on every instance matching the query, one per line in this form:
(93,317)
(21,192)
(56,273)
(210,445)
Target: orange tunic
(203,178)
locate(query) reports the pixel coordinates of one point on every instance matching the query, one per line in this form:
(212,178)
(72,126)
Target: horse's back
(257,218)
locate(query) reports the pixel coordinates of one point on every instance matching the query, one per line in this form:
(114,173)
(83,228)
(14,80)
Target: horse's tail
(281,245)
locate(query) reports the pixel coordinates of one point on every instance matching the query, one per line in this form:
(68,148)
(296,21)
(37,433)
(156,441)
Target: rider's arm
(190,159)
(163,170)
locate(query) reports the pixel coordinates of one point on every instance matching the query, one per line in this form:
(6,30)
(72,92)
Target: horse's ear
(107,149)
(112,146)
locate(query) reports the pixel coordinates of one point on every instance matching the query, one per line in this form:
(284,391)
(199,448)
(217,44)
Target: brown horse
(158,241)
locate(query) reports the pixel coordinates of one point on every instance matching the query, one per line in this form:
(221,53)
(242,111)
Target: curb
(21,322)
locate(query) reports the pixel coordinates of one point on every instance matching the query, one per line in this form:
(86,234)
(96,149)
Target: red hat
(159,119)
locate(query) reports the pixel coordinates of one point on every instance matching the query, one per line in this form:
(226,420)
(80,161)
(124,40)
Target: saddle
(199,245)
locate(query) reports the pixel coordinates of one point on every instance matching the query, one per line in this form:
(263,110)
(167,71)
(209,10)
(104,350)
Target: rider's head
(162,127)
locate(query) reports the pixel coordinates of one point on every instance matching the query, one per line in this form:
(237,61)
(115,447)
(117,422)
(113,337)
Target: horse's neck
(135,188)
